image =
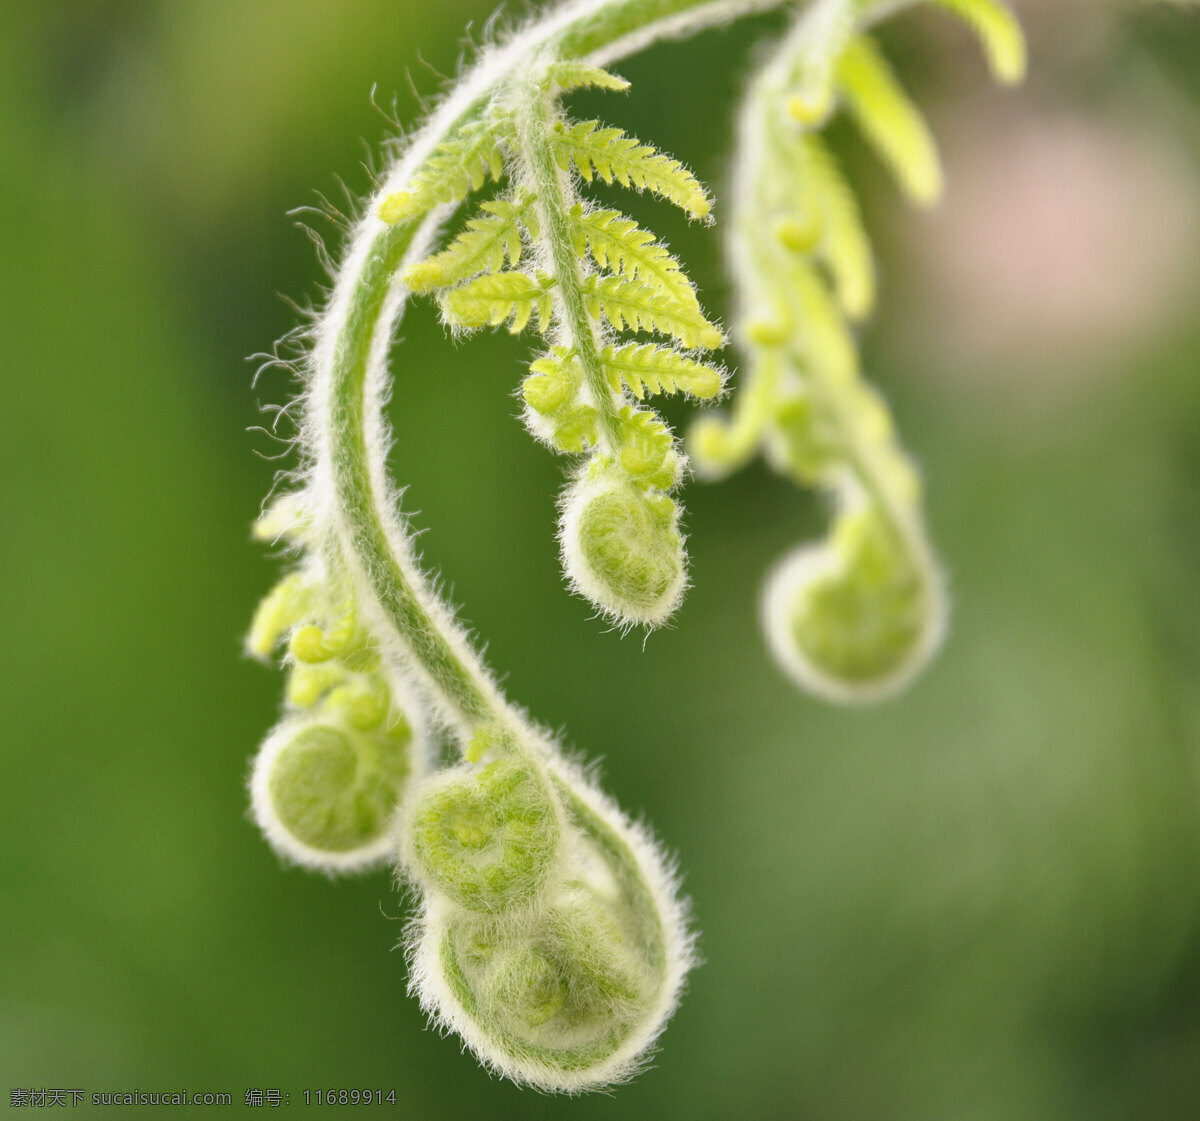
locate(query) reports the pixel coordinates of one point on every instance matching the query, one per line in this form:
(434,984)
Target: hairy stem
(455,675)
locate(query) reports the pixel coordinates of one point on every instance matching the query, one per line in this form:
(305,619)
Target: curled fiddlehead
(857,616)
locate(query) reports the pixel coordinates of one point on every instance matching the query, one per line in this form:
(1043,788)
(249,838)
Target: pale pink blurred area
(1066,239)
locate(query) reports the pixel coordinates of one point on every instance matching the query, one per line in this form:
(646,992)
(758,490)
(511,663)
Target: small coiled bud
(325,795)
(857,618)
(487,839)
(621,546)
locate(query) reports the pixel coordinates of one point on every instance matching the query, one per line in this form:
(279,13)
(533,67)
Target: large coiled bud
(566,988)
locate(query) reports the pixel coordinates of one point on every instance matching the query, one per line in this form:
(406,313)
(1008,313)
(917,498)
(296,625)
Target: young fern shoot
(591,274)
(550,932)
(856,617)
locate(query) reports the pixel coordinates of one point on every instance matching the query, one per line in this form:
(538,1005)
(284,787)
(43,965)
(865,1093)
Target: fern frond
(822,339)
(645,368)
(618,244)
(630,304)
(999,32)
(483,246)
(845,245)
(827,28)
(571,74)
(488,301)
(647,448)
(458,166)
(610,154)
(889,120)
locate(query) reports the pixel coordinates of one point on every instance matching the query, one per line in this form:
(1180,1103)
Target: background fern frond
(488,301)
(617,243)
(845,245)
(648,369)
(828,26)
(824,339)
(630,304)
(999,32)
(889,120)
(610,154)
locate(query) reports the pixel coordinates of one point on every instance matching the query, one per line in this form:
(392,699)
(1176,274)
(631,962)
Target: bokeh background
(980,902)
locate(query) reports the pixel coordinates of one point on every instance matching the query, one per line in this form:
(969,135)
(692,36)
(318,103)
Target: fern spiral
(856,617)
(550,932)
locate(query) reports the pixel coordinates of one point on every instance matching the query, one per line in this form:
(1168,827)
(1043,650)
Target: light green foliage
(484,246)
(617,243)
(828,26)
(488,301)
(843,246)
(646,369)
(628,305)
(571,74)
(611,155)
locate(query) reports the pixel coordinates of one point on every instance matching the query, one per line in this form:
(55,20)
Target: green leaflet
(553,382)
(648,369)
(489,300)
(610,154)
(627,304)
(821,217)
(571,74)
(460,165)
(647,449)
(617,243)
(552,391)
(484,246)
(889,120)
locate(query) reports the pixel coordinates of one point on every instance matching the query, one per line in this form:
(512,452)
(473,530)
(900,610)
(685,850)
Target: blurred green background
(980,902)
